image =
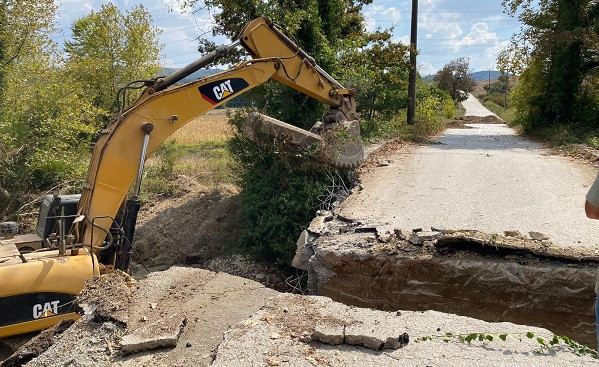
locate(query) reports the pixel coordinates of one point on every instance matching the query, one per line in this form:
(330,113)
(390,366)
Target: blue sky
(448,29)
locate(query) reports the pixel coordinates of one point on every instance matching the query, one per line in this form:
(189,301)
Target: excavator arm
(119,155)
(39,288)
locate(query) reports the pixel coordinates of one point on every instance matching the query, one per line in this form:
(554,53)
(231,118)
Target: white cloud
(373,13)
(403,39)
(447,27)
(479,35)
(426,68)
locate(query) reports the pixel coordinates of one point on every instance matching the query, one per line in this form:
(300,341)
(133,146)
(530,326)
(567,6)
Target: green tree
(500,86)
(43,120)
(378,69)
(456,80)
(109,49)
(556,52)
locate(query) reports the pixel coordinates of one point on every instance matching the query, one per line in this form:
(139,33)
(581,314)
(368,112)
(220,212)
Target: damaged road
(235,322)
(479,222)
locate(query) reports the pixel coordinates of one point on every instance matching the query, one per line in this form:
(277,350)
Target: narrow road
(475,108)
(484,178)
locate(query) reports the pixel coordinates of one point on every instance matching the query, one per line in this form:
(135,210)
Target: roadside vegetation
(556,98)
(282,192)
(54,102)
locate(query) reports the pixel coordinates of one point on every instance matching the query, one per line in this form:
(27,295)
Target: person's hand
(591,210)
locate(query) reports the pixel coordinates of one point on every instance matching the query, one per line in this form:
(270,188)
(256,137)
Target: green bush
(281,187)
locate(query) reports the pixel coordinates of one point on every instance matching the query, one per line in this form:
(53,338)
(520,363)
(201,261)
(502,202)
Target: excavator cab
(57,211)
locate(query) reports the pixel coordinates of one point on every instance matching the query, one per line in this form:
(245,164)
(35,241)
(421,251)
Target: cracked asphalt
(484,178)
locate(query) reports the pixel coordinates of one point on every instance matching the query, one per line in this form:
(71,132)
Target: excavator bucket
(340,144)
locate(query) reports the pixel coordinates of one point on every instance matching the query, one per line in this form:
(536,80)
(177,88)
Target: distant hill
(477,75)
(198,74)
(484,75)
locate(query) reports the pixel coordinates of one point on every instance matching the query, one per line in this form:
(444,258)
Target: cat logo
(219,90)
(45,310)
(224,90)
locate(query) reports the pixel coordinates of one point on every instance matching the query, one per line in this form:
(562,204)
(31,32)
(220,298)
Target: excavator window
(56,206)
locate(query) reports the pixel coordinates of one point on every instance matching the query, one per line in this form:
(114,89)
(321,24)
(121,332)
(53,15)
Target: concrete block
(164,333)
(373,333)
(329,332)
(418,238)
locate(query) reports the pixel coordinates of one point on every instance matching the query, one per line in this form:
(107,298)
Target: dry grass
(210,127)
(198,150)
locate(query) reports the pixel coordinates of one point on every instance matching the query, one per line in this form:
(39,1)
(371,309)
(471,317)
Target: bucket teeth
(341,143)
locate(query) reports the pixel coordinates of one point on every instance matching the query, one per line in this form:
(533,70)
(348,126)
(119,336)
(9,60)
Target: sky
(447,29)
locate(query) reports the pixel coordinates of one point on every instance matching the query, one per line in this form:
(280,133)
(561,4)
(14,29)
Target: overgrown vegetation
(556,57)
(545,345)
(54,103)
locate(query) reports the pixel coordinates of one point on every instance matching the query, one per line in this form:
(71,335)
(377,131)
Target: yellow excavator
(83,236)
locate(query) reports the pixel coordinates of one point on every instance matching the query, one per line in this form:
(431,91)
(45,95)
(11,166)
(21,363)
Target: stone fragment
(163,333)
(302,252)
(438,229)
(365,228)
(328,216)
(385,233)
(384,163)
(373,334)
(272,361)
(329,332)
(403,234)
(513,233)
(538,236)
(317,225)
(418,238)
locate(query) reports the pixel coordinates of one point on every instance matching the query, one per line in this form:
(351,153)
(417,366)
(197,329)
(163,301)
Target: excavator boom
(43,284)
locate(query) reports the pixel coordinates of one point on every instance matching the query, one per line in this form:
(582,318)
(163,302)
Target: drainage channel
(488,277)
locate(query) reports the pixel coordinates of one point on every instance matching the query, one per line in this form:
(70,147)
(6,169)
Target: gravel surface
(485,178)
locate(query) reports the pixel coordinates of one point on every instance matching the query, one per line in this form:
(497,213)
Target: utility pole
(412,81)
(489,77)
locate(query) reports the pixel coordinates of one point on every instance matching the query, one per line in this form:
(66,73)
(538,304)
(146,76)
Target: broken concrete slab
(163,333)
(403,234)
(418,238)
(210,301)
(247,343)
(37,345)
(302,252)
(513,233)
(329,331)
(480,275)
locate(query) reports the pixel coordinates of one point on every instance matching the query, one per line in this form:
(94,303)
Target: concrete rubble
(415,339)
(236,322)
(510,277)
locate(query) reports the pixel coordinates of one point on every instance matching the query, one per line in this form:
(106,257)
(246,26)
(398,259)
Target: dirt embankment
(201,229)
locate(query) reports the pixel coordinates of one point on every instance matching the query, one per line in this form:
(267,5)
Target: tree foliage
(455,79)
(378,69)
(109,49)
(556,54)
(49,112)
